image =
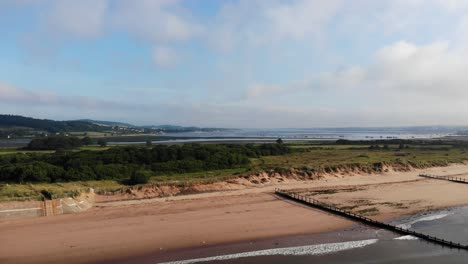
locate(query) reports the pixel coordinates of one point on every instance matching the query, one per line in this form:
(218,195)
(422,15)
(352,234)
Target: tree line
(119,163)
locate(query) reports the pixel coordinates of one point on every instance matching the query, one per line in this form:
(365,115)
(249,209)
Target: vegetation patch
(119,163)
(108,169)
(369,211)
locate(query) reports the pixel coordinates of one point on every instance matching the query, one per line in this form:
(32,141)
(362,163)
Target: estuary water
(366,245)
(329,133)
(303,134)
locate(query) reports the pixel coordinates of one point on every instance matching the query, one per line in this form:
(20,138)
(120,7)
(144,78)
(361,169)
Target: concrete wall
(28,209)
(23,209)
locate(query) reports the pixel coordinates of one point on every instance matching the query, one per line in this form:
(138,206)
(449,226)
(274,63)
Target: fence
(447,178)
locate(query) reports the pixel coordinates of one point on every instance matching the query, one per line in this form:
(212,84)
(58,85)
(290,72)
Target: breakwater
(365,220)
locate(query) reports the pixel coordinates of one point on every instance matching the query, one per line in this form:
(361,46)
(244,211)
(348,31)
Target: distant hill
(15,122)
(20,126)
(154,128)
(173,128)
(106,123)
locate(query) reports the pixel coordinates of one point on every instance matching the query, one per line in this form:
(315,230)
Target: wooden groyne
(446,178)
(365,220)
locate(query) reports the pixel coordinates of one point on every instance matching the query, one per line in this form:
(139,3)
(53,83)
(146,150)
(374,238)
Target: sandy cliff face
(266,178)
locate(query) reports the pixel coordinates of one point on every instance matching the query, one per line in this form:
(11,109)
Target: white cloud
(300,19)
(434,69)
(453,5)
(164,57)
(424,81)
(351,77)
(16,96)
(84,18)
(383,64)
(257,90)
(261,22)
(156,21)
(13,95)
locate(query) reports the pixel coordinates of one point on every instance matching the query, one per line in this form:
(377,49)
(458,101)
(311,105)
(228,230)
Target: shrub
(54,143)
(149,143)
(87,141)
(140,177)
(101,142)
(120,163)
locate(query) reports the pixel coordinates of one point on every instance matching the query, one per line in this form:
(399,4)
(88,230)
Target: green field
(10,151)
(306,157)
(333,155)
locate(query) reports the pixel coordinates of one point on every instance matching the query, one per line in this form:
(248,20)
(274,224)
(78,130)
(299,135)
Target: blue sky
(236,63)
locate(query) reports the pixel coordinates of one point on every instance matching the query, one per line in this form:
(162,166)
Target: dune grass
(10,192)
(307,156)
(348,155)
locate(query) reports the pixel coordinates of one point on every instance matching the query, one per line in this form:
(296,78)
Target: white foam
(290,251)
(408,237)
(424,219)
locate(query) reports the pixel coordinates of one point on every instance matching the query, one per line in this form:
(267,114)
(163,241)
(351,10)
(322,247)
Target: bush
(149,143)
(87,141)
(31,172)
(120,163)
(101,142)
(140,177)
(54,143)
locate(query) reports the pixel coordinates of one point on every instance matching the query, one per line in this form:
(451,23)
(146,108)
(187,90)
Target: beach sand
(123,230)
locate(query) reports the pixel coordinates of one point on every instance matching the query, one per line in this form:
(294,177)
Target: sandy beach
(122,230)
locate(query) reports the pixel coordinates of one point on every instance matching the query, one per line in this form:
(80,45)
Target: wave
(407,237)
(290,251)
(424,219)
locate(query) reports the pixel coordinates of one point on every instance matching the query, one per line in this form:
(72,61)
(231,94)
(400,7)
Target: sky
(237,63)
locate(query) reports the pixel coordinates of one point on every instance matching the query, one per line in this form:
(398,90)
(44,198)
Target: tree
(279,141)
(149,143)
(140,177)
(401,146)
(87,141)
(120,163)
(102,142)
(53,143)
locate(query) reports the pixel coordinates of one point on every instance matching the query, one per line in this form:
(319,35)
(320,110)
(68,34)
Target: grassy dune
(417,156)
(309,157)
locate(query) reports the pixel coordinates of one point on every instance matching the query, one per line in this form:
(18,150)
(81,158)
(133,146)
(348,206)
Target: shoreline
(131,230)
(335,236)
(353,233)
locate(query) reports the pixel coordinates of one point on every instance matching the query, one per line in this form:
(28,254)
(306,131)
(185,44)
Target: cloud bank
(249,63)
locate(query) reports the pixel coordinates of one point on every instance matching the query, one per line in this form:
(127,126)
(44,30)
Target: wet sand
(125,231)
(135,229)
(355,232)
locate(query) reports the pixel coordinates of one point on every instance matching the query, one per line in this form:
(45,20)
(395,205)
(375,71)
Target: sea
(359,244)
